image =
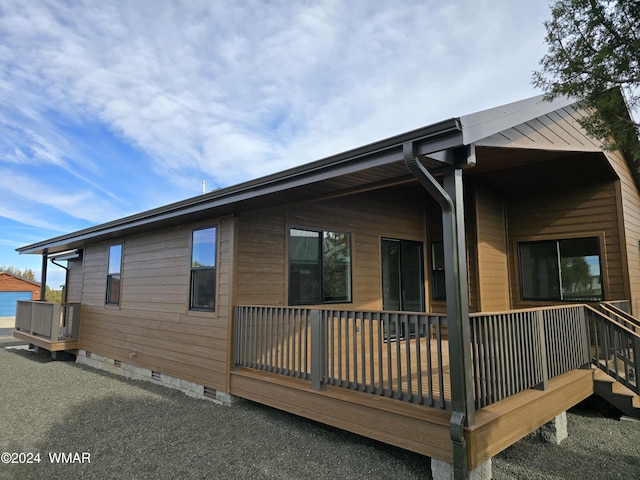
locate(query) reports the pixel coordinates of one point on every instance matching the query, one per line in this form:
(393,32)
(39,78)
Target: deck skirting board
(502,424)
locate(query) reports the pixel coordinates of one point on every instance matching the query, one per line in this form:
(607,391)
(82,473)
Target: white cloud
(228,90)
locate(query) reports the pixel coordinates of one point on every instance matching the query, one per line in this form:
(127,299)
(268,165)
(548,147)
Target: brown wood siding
(262,241)
(492,258)
(74,280)
(580,212)
(152,327)
(629,213)
(559,130)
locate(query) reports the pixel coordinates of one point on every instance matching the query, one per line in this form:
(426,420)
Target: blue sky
(109,108)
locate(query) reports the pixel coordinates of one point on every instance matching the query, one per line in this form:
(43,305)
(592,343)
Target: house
(14,288)
(434,290)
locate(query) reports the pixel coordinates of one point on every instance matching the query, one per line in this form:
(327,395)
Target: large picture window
(203,269)
(113,275)
(319,267)
(561,270)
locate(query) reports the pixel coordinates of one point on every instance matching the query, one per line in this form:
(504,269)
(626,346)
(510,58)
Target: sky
(110,108)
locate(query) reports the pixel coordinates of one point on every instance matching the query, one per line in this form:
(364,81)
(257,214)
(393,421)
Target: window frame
(437,273)
(403,246)
(113,275)
(321,299)
(197,271)
(556,241)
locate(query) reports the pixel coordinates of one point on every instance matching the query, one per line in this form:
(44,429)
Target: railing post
(318,350)
(636,364)
(543,352)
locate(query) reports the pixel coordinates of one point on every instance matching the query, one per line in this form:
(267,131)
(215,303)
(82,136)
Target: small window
(113,275)
(319,267)
(203,269)
(438,285)
(561,270)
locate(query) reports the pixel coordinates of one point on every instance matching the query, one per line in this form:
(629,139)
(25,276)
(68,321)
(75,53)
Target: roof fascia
(486,123)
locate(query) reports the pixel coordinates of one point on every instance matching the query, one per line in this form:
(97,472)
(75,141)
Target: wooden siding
(581,212)
(262,241)
(558,130)
(492,257)
(74,280)
(11,283)
(152,327)
(629,215)
(594,203)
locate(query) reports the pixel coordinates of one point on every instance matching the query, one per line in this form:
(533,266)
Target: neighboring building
(14,288)
(340,290)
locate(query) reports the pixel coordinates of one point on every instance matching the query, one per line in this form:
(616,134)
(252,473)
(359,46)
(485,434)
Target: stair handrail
(623,317)
(610,338)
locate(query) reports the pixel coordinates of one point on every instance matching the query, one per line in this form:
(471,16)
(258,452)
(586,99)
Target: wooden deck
(45,343)
(413,427)
(411,381)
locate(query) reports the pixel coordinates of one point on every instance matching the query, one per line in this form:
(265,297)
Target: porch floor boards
(45,343)
(381,370)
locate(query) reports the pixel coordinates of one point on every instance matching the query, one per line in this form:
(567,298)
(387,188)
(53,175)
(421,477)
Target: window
(438,284)
(402,275)
(561,270)
(203,269)
(113,275)
(319,267)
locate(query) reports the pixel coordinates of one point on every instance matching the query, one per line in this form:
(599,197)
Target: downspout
(463,410)
(66,280)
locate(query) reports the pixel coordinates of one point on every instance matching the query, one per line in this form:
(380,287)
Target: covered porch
(387,376)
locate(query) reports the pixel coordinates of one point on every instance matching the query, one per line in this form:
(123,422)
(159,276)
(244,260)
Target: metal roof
(358,169)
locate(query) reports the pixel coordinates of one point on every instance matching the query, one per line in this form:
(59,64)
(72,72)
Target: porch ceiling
(515,172)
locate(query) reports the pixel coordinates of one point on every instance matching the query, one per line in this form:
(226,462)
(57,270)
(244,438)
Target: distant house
(14,288)
(433,290)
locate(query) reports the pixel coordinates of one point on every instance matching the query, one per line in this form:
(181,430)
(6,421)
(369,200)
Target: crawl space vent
(209,392)
(156,375)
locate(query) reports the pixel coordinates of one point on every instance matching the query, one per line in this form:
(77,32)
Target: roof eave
(430,139)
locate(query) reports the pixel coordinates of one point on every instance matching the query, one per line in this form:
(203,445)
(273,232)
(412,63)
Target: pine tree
(594,56)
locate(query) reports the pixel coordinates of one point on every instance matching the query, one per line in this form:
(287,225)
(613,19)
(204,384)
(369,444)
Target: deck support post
(318,350)
(43,276)
(450,198)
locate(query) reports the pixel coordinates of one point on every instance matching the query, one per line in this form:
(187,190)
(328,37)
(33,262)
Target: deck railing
(397,355)
(405,355)
(615,348)
(52,321)
(521,349)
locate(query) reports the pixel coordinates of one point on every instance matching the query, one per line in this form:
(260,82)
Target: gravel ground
(138,430)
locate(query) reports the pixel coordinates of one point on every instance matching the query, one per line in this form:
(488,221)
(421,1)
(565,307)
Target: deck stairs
(616,394)
(609,382)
